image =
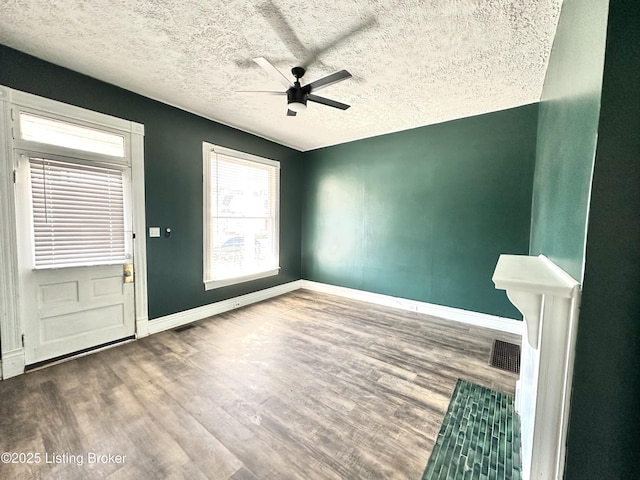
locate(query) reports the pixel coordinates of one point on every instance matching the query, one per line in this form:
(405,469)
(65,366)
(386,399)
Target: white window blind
(78,214)
(69,135)
(242,226)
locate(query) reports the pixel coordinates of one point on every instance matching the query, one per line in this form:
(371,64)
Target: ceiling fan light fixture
(297,106)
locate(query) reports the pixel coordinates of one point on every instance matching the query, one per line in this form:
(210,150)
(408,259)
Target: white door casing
(66,300)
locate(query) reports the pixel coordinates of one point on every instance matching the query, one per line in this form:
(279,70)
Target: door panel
(77,308)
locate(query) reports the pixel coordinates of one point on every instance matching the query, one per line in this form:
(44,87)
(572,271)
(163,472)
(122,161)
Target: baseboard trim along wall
(506,325)
(13,363)
(142,326)
(181,318)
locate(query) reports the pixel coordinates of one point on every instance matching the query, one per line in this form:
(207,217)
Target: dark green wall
(604,428)
(424,214)
(173,179)
(567,132)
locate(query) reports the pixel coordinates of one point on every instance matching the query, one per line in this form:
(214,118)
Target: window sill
(213,284)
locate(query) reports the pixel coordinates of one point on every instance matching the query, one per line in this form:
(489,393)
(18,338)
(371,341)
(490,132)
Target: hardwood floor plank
(204,449)
(302,386)
(235,425)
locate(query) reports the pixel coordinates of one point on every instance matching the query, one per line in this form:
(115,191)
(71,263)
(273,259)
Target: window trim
(207,150)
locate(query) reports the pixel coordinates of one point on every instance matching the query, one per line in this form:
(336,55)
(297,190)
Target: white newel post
(548,299)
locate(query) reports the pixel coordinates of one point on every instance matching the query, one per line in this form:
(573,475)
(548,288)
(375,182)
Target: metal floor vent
(505,356)
(188,326)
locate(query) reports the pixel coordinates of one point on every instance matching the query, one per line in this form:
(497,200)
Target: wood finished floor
(302,386)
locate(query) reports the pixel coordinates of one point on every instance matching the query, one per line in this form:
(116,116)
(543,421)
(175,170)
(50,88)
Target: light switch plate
(154,232)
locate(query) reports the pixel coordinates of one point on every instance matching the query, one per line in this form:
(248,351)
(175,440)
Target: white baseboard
(142,327)
(506,325)
(174,320)
(181,318)
(12,363)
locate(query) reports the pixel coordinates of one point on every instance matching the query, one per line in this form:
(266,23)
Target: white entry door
(74,235)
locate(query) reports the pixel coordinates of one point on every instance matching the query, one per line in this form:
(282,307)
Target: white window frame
(209,282)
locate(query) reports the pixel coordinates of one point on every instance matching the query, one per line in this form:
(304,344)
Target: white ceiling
(422,62)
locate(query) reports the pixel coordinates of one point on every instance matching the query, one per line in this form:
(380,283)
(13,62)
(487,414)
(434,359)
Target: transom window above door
(51,131)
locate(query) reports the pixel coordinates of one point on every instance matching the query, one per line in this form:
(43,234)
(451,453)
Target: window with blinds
(78,214)
(241,216)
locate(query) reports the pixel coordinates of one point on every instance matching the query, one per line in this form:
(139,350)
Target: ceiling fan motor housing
(297,94)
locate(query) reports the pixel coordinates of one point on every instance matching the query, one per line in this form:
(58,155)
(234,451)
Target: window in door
(78,214)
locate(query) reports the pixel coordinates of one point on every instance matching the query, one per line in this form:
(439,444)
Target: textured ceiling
(421,62)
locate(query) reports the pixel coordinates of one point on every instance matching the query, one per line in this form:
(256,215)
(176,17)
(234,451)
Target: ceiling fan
(297,94)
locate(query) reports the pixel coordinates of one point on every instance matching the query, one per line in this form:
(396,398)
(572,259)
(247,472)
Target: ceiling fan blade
(291,113)
(316,52)
(273,71)
(327,101)
(274,16)
(328,80)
